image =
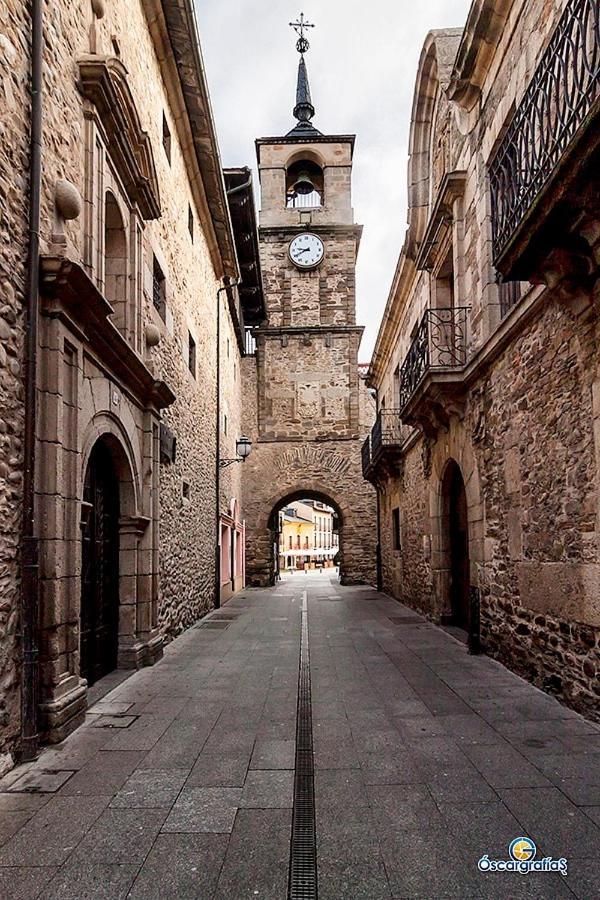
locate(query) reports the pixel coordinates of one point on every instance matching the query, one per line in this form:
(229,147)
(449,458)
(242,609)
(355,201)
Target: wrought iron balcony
(440,344)
(558,107)
(381,451)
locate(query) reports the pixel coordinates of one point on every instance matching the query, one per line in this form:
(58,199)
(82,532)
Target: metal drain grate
(302,883)
(407,620)
(213,624)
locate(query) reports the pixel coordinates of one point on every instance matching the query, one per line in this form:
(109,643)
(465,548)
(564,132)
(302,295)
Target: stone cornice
(103,81)
(481,36)
(69,294)
(173,28)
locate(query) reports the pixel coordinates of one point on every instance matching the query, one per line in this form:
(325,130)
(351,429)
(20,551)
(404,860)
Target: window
(159,296)
(227,348)
(190,222)
(290,542)
(225,423)
(166,137)
(510,294)
(396,528)
(191,354)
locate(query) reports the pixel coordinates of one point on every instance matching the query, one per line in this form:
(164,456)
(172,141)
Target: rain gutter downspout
(30,543)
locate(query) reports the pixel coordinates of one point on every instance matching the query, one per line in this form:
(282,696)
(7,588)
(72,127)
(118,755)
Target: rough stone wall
(187,526)
(14,162)
(528,438)
(540,480)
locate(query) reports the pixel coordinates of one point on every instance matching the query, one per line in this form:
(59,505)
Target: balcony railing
(565,86)
(388,432)
(440,343)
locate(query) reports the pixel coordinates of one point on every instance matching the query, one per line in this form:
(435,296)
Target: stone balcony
(432,374)
(382,450)
(544,176)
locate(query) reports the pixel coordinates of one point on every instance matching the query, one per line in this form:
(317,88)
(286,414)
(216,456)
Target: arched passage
(455,546)
(316,533)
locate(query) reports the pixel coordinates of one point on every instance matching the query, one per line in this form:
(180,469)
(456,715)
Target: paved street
(181,782)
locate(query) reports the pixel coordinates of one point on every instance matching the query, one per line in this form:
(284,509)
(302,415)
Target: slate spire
(304,109)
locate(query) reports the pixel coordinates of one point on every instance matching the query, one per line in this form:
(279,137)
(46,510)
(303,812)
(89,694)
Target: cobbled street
(181,782)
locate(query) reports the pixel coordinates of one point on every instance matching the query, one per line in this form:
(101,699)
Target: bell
(304,184)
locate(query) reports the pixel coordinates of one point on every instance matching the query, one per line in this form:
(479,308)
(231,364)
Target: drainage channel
(302,883)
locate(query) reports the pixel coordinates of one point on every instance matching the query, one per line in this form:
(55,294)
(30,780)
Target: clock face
(306,250)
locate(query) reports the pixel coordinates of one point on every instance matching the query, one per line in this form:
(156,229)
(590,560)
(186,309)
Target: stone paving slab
(425,759)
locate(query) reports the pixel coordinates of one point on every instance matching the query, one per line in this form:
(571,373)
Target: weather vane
(299,27)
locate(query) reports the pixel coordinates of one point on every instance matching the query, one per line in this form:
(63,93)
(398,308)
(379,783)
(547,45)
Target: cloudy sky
(362,65)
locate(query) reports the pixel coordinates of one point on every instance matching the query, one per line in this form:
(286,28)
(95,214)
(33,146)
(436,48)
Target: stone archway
(273,525)
(294,475)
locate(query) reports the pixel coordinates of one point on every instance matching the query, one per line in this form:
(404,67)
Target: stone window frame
(166,138)
(192,354)
(396,530)
(119,160)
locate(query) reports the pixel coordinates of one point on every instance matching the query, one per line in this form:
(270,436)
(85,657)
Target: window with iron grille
(166,137)
(396,528)
(159,295)
(191,354)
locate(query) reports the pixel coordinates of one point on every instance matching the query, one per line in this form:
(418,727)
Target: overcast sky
(362,65)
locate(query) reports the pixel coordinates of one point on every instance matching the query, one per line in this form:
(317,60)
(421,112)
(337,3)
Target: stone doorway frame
(454,448)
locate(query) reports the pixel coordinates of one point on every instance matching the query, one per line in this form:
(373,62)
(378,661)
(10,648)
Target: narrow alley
(181,782)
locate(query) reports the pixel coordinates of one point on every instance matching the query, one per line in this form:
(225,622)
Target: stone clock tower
(307,410)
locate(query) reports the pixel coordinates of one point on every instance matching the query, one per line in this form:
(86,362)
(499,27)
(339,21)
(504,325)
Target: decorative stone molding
(67,206)
(103,81)
(70,295)
(441,218)
(98,8)
(152,334)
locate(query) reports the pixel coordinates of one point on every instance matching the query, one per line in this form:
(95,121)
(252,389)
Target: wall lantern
(243,446)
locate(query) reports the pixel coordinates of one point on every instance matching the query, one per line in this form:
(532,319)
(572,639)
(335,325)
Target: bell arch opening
(306,534)
(304,185)
(455,551)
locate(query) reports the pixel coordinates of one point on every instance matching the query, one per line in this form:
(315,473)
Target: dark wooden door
(99,627)
(459,551)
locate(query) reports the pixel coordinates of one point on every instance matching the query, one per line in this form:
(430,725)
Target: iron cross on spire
(299,27)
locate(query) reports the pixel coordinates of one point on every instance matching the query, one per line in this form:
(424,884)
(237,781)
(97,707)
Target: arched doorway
(455,535)
(99,622)
(305,534)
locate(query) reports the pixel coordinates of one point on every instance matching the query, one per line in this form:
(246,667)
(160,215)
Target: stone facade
(135,241)
(14,156)
(508,396)
(305,407)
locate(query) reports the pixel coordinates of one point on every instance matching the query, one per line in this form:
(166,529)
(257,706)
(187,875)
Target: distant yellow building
(306,536)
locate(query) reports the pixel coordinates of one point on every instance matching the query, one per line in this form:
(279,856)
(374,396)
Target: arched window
(115,261)
(304,185)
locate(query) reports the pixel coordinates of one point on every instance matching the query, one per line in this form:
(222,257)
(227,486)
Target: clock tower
(311,410)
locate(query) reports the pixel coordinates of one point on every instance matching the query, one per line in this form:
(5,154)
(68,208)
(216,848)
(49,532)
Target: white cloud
(362,66)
